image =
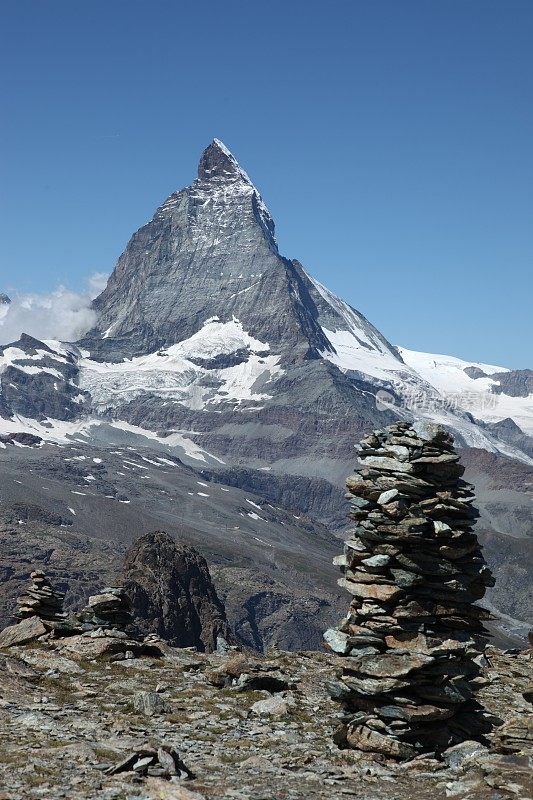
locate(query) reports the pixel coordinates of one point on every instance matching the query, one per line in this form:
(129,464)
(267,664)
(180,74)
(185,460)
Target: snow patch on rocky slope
(182,373)
(475,395)
(420,384)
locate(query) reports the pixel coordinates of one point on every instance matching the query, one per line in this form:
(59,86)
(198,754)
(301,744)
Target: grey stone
(337,641)
(428,431)
(150,703)
(276,706)
(388,464)
(167,761)
(388,496)
(143,763)
(21,633)
(457,755)
(377,561)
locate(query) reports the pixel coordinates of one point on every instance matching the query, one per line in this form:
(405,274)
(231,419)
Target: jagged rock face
(218,323)
(38,382)
(516,383)
(172,593)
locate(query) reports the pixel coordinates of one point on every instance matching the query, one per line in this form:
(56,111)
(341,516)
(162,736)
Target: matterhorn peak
(217,162)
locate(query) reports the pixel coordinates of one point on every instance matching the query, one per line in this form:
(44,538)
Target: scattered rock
(337,641)
(161,790)
(273,681)
(273,706)
(20,668)
(150,704)
(456,756)
(243,673)
(515,735)
(92,648)
(80,714)
(165,759)
(361,737)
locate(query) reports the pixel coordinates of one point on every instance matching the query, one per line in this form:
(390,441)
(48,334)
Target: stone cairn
(41,600)
(413,638)
(111,610)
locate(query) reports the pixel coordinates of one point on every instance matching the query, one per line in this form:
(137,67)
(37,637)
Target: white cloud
(97,283)
(61,314)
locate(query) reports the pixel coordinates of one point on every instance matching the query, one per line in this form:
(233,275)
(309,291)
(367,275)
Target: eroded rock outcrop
(172,593)
(413,638)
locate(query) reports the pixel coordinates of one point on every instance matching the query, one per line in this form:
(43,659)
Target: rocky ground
(271,565)
(73,511)
(73,709)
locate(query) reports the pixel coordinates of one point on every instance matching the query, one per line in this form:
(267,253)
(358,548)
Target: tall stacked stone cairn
(413,638)
(110,610)
(41,600)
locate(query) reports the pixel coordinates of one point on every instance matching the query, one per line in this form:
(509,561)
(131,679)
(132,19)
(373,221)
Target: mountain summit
(218,163)
(209,250)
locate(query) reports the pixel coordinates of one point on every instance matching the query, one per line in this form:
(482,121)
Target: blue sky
(391,141)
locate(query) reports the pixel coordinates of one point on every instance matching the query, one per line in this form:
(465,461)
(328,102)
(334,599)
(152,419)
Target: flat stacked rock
(41,600)
(111,609)
(413,637)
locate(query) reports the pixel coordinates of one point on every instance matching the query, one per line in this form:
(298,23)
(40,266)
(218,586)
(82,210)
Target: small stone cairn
(111,610)
(41,600)
(413,638)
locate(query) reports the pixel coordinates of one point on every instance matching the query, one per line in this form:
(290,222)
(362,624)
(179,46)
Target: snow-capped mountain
(212,347)
(206,331)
